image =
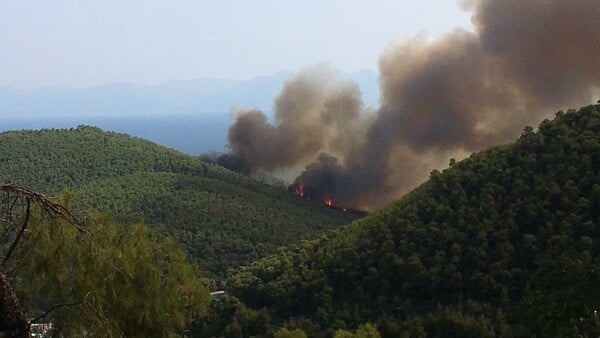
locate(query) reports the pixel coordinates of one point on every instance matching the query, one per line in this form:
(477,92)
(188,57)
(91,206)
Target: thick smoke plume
(439,99)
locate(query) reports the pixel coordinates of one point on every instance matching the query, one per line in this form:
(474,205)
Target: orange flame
(299,190)
(328,202)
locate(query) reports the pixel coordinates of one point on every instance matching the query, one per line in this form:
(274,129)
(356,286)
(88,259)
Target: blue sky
(85,43)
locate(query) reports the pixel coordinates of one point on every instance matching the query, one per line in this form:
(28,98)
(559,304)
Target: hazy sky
(83,43)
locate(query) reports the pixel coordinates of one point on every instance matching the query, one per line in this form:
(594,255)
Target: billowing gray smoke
(439,99)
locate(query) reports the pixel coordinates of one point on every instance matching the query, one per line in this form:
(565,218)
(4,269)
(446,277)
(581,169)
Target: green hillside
(504,243)
(223,218)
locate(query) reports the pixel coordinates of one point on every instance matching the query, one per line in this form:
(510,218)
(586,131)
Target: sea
(191,134)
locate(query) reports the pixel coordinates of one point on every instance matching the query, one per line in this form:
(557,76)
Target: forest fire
(299,190)
(436,102)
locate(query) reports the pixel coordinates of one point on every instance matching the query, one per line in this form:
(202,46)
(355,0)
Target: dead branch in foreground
(16,201)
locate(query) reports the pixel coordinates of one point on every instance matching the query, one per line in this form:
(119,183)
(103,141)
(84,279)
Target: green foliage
(228,316)
(285,333)
(454,323)
(222,218)
(107,281)
(50,160)
(566,286)
(221,224)
(364,331)
(504,243)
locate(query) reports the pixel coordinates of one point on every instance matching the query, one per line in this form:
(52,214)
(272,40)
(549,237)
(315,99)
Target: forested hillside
(224,219)
(504,243)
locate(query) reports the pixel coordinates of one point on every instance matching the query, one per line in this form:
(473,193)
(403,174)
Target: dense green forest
(503,243)
(223,219)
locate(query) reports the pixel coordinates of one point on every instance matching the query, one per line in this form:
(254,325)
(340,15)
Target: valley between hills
(502,243)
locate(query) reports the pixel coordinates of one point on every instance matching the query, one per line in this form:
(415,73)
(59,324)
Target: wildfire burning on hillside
(439,99)
(298,189)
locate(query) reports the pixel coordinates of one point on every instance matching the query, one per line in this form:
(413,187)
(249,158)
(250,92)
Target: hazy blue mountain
(206,95)
(191,96)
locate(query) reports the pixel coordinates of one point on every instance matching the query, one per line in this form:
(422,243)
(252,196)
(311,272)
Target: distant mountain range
(205,95)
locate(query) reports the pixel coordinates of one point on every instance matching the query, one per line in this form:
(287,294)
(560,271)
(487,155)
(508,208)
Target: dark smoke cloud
(315,112)
(549,47)
(228,161)
(321,179)
(439,99)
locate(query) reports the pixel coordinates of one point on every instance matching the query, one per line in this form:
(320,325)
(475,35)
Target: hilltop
(223,219)
(503,243)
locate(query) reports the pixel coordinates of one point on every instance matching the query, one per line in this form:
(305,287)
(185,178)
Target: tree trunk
(13,322)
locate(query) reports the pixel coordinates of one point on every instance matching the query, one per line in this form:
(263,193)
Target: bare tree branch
(20,234)
(57,306)
(14,200)
(54,307)
(51,207)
